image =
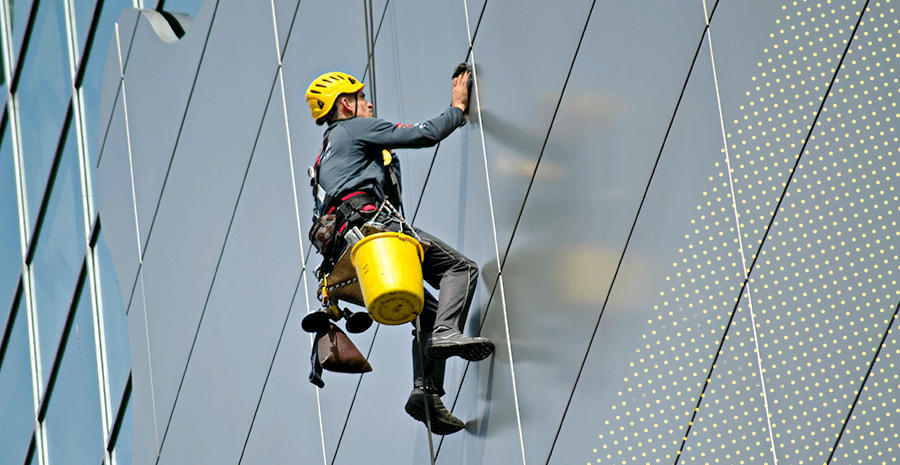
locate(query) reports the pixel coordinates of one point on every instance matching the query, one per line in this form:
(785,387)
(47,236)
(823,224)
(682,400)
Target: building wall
(684,214)
(64,354)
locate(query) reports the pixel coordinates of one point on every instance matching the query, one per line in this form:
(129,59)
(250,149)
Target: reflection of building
(627,140)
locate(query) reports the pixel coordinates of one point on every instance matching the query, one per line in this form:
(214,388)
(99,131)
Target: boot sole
(472,352)
(415,407)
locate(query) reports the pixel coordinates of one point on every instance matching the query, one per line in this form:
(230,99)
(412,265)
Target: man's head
(336,95)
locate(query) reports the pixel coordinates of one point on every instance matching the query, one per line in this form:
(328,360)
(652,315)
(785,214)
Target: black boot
(446,342)
(442,421)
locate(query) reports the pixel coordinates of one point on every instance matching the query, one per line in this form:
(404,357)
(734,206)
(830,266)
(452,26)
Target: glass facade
(65,363)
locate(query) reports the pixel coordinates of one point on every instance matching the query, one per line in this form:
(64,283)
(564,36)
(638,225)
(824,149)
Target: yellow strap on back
(386,154)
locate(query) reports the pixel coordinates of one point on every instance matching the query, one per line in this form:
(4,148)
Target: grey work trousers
(455,276)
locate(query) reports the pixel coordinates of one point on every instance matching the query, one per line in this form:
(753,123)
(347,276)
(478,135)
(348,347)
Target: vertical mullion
(35,356)
(71,39)
(27,302)
(91,284)
(99,345)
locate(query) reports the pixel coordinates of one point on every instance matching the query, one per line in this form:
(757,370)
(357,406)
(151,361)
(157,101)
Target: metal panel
(286,19)
(520,76)
(379,430)
(145,442)
(116,204)
(157,87)
(870,435)
(774,64)
(486,403)
(662,323)
(611,123)
(286,429)
(203,186)
(731,425)
(826,289)
(249,302)
(337,398)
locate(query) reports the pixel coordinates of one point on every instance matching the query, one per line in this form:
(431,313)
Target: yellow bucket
(389,267)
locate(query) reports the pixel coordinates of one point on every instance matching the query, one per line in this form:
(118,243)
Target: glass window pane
(42,95)
(84,13)
(59,254)
(126,437)
(73,423)
(16,400)
(118,353)
(191,7)
(18,11)
(11,251)
(93,74)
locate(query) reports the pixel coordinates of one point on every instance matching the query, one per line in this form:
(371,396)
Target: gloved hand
(462,87)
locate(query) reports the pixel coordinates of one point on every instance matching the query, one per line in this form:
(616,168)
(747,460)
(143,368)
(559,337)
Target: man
(355,172)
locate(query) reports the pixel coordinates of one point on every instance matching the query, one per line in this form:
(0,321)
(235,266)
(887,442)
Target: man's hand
(460,96)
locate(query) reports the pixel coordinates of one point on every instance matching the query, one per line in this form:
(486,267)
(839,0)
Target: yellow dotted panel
(873,435)
(825,286)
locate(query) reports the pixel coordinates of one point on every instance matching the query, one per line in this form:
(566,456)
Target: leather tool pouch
(337,353)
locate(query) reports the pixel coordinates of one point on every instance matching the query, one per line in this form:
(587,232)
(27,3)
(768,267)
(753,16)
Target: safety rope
(737,225)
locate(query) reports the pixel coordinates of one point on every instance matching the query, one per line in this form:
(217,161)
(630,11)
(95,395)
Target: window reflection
(118,352)
(191,7)
(93,74)
(73,422)
(18,12)
(42,95)
(11,252)
(125,438)
(17,419)
(84,12)
(59,254)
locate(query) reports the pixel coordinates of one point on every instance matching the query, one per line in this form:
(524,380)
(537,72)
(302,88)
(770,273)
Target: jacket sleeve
(385,134)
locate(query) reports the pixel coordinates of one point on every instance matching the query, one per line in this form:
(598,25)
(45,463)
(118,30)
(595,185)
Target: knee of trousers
(469,267)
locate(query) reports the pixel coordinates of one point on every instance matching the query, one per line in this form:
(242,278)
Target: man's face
(363,107)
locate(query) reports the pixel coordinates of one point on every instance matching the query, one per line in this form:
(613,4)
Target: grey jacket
(351,159)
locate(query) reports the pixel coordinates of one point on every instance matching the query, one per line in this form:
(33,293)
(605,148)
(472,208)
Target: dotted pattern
(825,285)
(872,435)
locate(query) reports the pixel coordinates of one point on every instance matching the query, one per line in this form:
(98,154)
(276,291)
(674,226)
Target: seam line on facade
(737,225)
(269,373)
(212,283)
(187,108)
(768,228)
(628,239)
(287,125)
(862,386)
(490,199)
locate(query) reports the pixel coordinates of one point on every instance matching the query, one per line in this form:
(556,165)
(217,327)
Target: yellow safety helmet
(322,93)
